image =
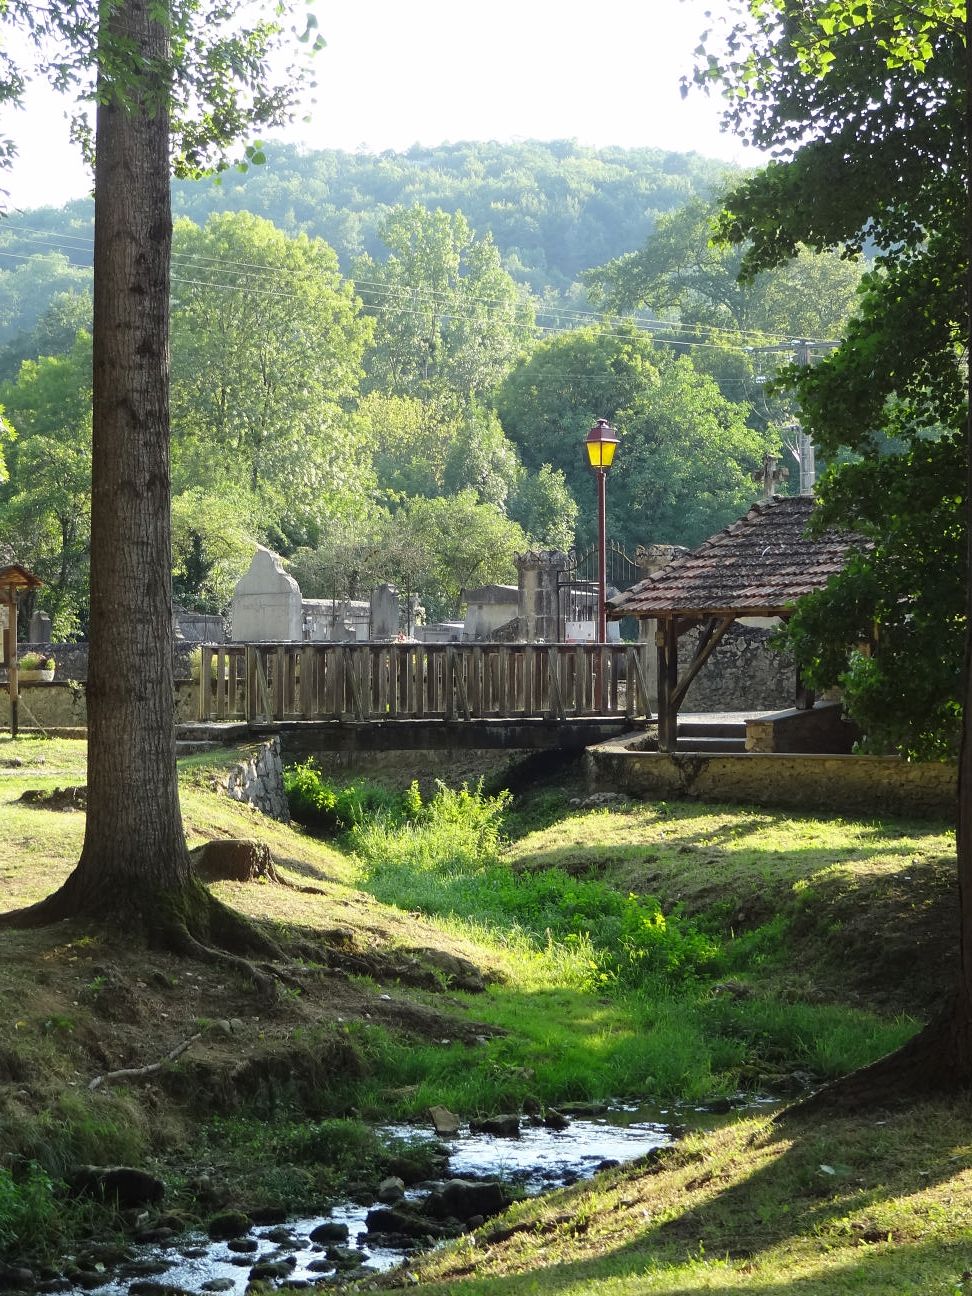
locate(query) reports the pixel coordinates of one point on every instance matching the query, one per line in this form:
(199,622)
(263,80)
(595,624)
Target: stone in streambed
(243,1246)
(230,1224)
(330,1231)
(505,1126)
(391,1190)
(462,1199)
(444,1122)
(125,1185)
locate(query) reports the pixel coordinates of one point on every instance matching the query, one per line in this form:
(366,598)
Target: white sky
(395,74)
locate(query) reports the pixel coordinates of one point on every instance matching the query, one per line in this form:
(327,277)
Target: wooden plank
(529,659)
(580,670)
(556,697)
(205,671)
(666,638)
(419,699)
(353,683)
(450,683)
(617,662)
(502,683)
(220,683)
(476,681)
(637,685)
(291,703)
(460,668)
(233,682)
(264,707)
(305,676)
(341,695)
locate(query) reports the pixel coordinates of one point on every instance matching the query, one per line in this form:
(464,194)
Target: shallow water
(540,1159)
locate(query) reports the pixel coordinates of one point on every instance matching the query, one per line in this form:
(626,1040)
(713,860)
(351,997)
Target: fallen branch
(129,1073)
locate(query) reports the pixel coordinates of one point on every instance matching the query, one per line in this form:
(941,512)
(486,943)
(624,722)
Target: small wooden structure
(13,579)
(757,567)
(367,682)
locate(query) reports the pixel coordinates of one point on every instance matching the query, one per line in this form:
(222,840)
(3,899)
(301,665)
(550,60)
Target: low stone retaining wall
(61,704)
(258,779)
(822,784)
(72,658)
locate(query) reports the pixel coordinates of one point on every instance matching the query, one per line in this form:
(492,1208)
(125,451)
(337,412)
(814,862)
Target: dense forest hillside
(553,209)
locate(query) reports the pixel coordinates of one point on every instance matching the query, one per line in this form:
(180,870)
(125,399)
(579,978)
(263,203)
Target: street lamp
(601,443)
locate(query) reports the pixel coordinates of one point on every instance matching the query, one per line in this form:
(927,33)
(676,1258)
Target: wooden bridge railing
(263,683)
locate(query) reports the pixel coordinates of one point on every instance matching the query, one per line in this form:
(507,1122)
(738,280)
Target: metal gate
(577,589)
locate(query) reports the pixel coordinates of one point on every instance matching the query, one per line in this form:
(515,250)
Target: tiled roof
(13,576)
(758,566)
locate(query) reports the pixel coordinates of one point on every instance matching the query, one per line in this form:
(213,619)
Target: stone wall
(818,784)
(72,658)
(257,779)
(397,769)
(744,673)
(61,704)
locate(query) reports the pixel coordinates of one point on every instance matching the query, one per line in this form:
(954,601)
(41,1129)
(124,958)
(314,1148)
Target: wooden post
(12,667)
(476,681)
(220,682)
(666,637)
(279,674)
(205,674)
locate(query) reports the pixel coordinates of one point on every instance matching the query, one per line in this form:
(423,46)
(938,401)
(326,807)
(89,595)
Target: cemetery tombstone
(266,605)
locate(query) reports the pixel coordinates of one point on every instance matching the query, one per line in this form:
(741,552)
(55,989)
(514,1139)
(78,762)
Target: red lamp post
(600,444)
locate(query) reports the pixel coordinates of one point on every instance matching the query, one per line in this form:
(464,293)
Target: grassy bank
(673,952)
(878,1205)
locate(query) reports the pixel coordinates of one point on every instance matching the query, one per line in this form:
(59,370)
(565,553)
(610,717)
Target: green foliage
(447,860)
(440,546)
(29,1210)
(685,464)
(46,504)
(449,320)
(35,661)
(835,89)
(553,208)
(267,343)
(329,808)
(682,268)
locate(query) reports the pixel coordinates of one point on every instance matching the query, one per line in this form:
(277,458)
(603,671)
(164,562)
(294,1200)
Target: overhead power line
(735,340)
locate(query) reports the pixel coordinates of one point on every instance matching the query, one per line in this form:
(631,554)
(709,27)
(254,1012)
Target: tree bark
(134,846)
(134,841)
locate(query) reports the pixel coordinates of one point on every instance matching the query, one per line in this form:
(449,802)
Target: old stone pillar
(538,604)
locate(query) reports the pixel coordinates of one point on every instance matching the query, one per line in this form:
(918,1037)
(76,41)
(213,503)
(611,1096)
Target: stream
(539,1160)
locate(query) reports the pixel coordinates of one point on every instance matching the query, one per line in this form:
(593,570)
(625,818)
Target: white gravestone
(266,604)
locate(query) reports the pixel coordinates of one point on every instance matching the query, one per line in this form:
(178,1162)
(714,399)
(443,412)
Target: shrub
(28,1210)
(318,803)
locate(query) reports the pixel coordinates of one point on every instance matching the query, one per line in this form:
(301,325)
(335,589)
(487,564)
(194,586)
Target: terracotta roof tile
(759,565)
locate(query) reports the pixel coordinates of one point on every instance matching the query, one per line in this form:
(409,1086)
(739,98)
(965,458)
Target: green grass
(606,993)
(840,1207)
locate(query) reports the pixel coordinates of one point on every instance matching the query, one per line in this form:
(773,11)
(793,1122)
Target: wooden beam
(666,639)
(707,644)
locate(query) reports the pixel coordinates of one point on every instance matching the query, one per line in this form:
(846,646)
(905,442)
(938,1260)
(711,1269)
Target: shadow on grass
(862,1228)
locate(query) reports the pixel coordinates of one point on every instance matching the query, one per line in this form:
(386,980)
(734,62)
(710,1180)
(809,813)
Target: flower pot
(36,676)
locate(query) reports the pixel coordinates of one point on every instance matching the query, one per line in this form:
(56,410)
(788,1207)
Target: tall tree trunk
(134,842)
(134,846)
(962,1010)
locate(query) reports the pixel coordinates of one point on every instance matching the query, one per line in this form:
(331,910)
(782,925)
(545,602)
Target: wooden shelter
(13,579)
(757,567)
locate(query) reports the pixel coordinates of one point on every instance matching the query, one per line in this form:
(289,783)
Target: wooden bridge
(408,695)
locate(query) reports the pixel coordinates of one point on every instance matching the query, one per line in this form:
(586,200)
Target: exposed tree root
(933,1063)
(189,921)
